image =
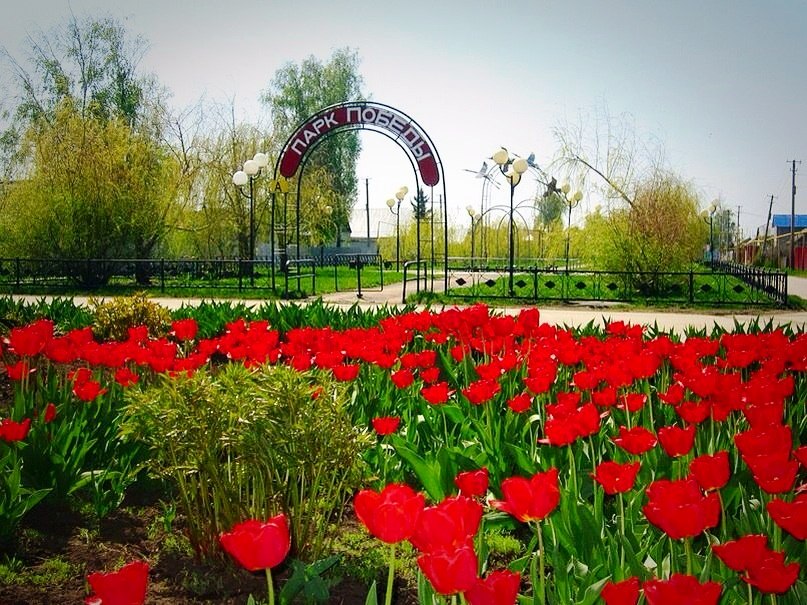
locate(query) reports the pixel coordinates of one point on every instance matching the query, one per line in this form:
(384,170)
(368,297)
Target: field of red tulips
(629,466)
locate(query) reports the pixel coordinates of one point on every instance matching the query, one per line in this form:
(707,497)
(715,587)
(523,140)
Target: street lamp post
(474,218)
(512,168)
(250,172)
(571,202)
(394,206)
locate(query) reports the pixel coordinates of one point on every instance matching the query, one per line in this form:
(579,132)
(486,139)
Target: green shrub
(113,318)
(248,443)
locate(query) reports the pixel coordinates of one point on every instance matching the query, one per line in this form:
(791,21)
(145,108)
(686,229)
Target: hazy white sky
(721,83)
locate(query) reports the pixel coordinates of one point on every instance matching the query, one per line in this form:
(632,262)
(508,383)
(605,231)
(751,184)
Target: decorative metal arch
(375,117)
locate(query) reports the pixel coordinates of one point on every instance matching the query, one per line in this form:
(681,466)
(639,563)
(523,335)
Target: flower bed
(627,464)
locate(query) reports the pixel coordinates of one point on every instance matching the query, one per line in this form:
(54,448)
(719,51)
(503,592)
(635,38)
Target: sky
(719,85)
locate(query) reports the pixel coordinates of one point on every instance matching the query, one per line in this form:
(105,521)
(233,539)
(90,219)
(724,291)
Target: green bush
(113,318)
(245,443)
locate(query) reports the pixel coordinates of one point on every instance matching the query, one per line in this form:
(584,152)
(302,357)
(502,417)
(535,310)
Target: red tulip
(257,545)
(775,474)
(633,402)
(481,391)
(771,575)
(636,441)
(19,370)
(430,375)
(674,394)
(30,340)
(125,377)
(499,588)
(530,499)
(675,440)
(520,403)
(127,586)
(743,553)
(801,455)
(390,515)
(765,440)
(345,372)
(449,525)
(472,483)
(616,478)
(14,431)
(386,425)
(402,378)
(679,508)
(436,394)
(681,589)
(88,390)
(711,472)
(625,592)
(450,571)
(50,413)
(790,516)
(184,329)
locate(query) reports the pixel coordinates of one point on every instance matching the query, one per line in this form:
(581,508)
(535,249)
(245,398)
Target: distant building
(781,222)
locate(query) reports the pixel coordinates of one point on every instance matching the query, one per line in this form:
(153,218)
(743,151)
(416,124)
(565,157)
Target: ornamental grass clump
(244,443)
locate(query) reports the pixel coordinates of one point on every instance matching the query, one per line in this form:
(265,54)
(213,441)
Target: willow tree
(94,189)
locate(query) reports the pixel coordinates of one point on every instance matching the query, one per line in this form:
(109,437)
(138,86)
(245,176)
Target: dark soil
(134,532)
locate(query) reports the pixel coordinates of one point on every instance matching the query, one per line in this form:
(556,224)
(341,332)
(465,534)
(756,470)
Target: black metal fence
(31,274)
(755,286)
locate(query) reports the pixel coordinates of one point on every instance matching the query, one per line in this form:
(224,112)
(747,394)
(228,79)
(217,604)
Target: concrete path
(562,315)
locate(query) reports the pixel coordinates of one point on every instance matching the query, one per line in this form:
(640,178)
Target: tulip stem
(573,471)
(390,575)
(270,586)
(621,531)
(750,595)
(688,550)
(540,585)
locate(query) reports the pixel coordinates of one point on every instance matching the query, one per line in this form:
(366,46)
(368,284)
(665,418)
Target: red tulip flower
(636,441)
(402,378)
(520,403)
(472,483)
(770,574)
(616,478)
(450,571)
(430,375)
(775,474)
(256,545)
(530,499)
(499,588)
(790,516)
(390,515)
(125,377)
(386,425)
(625,592)
(711,472)
(184,329)
(436,394)
(801,455)
(743,553)
(345,372)
(481,391)
(681,589)
(88,390)
(11,431)
(675,440)
(127,586)
(18,371)
(50,413)
(679,508)
(449,525)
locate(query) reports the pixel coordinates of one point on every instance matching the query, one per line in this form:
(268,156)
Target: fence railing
(288,277)
(702,287)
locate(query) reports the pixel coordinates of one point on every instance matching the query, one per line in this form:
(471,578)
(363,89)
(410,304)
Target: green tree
(92,63)
(108,195)
(296,92)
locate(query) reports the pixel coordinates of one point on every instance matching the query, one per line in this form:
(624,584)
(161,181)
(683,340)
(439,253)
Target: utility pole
(765,240)
(793,216)
(739,237)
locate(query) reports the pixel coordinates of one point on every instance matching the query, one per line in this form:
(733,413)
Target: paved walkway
(566,314)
